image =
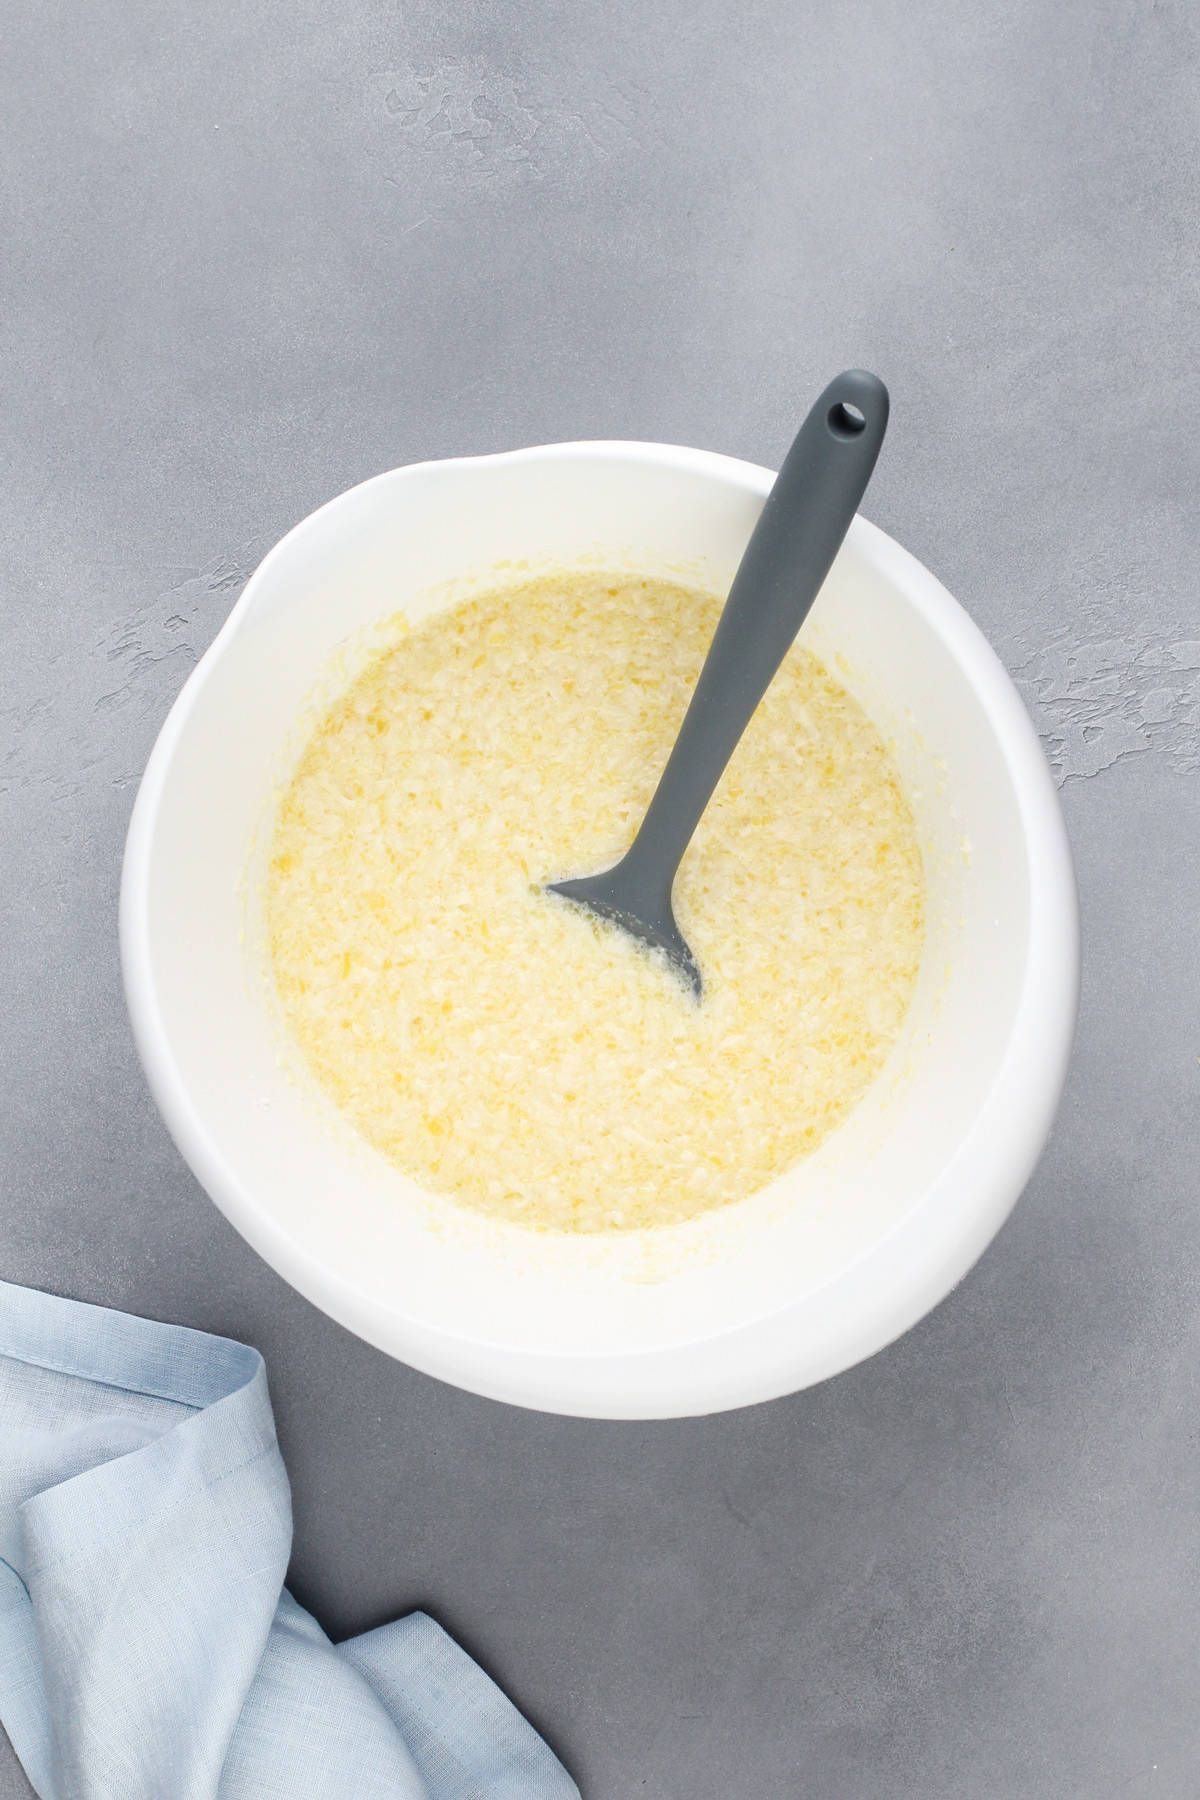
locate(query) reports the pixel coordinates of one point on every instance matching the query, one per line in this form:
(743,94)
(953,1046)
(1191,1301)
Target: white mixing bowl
(835,1259)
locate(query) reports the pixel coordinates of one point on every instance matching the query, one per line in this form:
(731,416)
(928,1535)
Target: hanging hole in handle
(846,420)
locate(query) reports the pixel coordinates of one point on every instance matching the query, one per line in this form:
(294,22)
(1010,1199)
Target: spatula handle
(798,534)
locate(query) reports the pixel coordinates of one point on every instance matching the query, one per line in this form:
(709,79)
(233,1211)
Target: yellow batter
(507,1049)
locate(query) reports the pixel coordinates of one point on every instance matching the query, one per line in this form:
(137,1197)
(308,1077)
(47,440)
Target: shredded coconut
(506,1048)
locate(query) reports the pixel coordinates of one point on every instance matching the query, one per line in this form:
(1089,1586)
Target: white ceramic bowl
(820,1270)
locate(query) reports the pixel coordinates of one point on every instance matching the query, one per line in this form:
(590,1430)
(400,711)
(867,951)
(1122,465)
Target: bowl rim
(901,1274)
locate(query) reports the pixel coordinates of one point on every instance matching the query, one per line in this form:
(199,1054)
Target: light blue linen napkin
(148,1648)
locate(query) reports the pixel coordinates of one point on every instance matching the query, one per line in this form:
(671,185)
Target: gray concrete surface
(253,253)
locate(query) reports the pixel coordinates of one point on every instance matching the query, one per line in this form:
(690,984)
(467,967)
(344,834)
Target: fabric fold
(147,1644)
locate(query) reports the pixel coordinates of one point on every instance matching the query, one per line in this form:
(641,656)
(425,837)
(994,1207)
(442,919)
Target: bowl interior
(538,1318)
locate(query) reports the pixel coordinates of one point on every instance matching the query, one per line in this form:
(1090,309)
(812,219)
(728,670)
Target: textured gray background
(255,252)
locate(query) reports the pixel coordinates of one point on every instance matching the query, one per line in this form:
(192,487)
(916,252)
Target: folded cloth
(148,1647)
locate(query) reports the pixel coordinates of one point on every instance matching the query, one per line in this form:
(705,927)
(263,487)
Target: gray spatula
(798,534)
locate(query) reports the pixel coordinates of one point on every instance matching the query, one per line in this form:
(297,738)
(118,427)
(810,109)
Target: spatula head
(608,896)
